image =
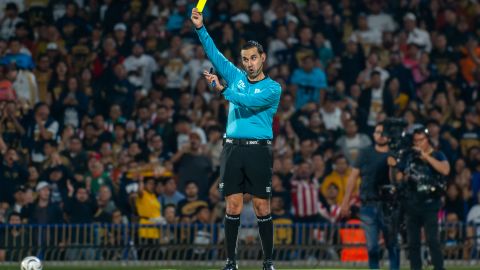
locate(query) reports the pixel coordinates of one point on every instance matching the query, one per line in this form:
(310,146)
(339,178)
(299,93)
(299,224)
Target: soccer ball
(31,263)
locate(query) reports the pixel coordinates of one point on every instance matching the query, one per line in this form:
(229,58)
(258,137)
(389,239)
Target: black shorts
(246,169)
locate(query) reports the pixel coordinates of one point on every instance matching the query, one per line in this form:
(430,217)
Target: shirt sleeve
(264,98)
(440,156)
(360,159)
(225,68)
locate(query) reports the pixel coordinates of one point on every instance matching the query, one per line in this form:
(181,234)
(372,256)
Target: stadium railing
(320,244)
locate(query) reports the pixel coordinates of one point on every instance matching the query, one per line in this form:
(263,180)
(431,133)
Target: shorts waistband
(247,141)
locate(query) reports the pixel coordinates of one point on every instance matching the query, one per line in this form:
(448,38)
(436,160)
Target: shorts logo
(229,141)
(220,185)
(268,189)
(241,85)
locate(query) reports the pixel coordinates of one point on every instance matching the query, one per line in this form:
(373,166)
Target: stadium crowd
(105,116)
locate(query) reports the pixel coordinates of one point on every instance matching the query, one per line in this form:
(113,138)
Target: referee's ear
(263,56)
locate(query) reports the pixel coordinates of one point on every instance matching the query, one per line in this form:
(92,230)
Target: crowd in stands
(106,118)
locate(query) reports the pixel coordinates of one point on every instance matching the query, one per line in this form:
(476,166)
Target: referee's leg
(265,229)
(234,205)
(231,186)
(258,170)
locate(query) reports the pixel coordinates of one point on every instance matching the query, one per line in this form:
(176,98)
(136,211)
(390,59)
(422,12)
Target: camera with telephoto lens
(399,141)
(421,176)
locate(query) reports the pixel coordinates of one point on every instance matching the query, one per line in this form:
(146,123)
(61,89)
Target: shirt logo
(241,85)
(256,91)
(221,185)
(268,189)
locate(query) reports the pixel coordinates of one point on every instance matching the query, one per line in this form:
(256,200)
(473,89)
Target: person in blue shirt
(309,80)
(246,160)
(15,56)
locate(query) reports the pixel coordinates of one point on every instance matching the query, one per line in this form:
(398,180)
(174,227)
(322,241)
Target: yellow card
(201,5)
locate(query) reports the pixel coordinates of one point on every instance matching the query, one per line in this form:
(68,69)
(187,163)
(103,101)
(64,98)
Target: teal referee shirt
(252,104)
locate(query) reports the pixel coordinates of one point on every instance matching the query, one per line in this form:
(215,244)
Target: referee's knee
(234,204)
(262,207)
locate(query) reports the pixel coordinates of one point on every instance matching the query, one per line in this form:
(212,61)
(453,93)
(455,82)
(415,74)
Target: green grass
(184,268)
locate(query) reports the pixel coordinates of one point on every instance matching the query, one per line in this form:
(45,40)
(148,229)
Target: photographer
(373,168)
(423,174)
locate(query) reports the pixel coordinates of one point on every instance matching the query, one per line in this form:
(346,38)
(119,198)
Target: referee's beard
(254,75)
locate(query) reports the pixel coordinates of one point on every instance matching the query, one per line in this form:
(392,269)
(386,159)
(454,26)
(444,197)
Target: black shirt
(373,171)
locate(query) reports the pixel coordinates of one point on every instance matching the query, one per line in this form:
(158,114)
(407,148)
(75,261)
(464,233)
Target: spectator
(16,56)
(10,125)
(338,177)
(305,201)
(149,212)
(352,142)
(105,203)
(193,165)
(373,101)
(42,211)
(188,206)
(415,34)
(140,67)
(15,236)
(170,195)
(12,174)
(9,20)
(310,81)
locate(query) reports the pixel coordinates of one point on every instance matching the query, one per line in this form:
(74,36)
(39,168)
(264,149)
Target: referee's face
(252,61)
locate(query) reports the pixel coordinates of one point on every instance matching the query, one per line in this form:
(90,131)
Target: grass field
(12,267)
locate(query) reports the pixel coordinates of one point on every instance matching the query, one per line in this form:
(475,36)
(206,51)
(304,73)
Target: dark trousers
(423,215)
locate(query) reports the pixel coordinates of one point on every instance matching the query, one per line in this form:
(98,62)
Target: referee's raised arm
(225,68)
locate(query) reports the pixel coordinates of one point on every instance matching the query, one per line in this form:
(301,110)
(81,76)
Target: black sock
(265,229)
(232,222)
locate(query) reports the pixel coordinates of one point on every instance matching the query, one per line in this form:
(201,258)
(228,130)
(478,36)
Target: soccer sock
(232,222)
(265,229)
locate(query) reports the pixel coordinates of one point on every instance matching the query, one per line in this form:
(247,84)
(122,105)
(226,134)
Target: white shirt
(420,37)
(145,65)
(381,22)
(474,217)
(372,36)
(20,5)
(275,46)
(195,68)
(8,27)
(375,106)
(26,87)
(332,120)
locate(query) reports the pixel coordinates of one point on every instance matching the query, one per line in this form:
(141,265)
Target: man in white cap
(124,46)
(43,211)
(415,34)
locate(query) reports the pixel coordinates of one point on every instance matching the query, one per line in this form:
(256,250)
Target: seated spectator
(352,142)
(188,206)
(193,164)
(170,194)
(42,211)
(338,177)
(15,236)
(309,82)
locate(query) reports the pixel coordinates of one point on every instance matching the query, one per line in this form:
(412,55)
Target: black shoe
(230,265)
(268,265)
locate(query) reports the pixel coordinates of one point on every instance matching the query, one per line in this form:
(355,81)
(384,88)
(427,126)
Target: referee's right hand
(197,18)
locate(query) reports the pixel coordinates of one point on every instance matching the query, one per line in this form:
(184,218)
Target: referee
(246,161)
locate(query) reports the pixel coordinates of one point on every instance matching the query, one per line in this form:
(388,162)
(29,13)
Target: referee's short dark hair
(251,44)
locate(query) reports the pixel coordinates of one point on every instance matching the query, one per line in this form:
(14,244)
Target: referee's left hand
(213,80)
